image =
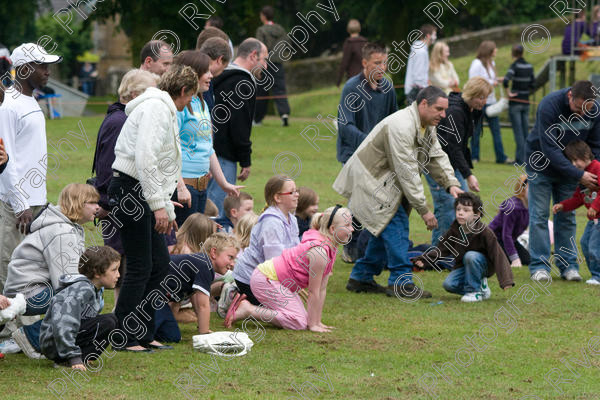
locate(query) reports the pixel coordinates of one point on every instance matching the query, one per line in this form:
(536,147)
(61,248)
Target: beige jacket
(385,170)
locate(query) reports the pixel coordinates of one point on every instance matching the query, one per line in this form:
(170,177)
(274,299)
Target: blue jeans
(443,205)
(37,305)
(391,248)
(215,193)
(467,279)
(590,246)
(542,189)
(494,124)
(198,205)
(519,118)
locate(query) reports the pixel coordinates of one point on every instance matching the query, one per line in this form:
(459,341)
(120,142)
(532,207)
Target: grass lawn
(382,346)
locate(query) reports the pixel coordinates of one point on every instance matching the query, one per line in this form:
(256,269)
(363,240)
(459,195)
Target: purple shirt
(511,221)
(273,233)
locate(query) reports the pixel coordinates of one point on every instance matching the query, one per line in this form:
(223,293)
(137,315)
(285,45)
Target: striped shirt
(523,80)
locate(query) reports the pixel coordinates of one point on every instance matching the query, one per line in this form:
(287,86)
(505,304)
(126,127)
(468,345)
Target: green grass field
(382,346)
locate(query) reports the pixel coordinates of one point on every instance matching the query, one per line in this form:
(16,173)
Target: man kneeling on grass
(73,332)
(478,253)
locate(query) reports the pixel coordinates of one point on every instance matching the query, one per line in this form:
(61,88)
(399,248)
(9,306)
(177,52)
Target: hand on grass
(516,263)
(318,328)
(79,366)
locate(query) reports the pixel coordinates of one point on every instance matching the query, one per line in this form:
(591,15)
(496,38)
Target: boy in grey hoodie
(73,332)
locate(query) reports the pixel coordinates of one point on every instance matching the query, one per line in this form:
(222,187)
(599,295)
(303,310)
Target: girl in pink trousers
(276,282)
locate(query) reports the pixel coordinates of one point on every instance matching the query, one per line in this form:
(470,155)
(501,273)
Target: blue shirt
(195,132)
(555,126)
(360,110)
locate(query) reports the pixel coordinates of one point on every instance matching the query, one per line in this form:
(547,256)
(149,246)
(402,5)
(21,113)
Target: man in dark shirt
(272,34)
(562,117)
(367,98)
(523,83)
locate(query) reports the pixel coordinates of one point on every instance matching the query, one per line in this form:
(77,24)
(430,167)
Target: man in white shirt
(23,130)
(417,70)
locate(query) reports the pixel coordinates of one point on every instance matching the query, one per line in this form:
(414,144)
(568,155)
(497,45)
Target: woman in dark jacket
(132,85)
(453,132)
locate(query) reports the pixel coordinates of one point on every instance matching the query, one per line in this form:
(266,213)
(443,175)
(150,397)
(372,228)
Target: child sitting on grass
(199,270)
(52,249)
(582,158)
(73,331)
(277,281)
(235,207)
(308,205)
(478,253)
(275,231)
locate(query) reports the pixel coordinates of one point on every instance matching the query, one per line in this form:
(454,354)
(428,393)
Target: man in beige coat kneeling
(382,182)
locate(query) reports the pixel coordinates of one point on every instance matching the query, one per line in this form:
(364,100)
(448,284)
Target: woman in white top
(485,67)
(145,173)
(441,70)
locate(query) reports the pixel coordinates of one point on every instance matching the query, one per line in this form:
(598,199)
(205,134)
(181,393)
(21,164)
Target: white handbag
(226,344)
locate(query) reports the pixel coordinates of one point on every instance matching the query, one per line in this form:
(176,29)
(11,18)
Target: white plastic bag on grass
(228,344)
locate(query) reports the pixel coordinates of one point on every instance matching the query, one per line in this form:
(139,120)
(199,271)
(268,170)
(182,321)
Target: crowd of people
(164,153)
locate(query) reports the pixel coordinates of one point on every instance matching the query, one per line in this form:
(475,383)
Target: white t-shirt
(23,129)
(477,69)
(417,70)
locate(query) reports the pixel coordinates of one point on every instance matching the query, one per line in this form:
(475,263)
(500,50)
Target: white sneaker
(485,289)
(471,298)
(592,282)
(541,275)
(572,275)
(9,346)
(21,339)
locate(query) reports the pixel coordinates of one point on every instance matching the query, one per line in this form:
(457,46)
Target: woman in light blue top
(195,131)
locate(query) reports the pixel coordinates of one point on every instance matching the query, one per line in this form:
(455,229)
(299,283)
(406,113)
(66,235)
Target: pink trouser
(283,306)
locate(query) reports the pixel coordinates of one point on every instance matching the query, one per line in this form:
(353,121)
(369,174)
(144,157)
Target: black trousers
(92,338)
(521,251)
(147,260)
(278,89)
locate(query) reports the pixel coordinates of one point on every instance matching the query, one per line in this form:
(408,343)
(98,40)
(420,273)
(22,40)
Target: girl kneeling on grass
(276,282)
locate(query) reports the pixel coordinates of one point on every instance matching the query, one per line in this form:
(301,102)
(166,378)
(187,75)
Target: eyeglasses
(286,193)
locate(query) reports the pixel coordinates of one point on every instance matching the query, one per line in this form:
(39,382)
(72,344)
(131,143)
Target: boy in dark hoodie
(477,253)
(73,332)
(453,132)
(583,159)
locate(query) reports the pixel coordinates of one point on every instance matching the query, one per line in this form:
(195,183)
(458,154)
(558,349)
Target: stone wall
(313,73)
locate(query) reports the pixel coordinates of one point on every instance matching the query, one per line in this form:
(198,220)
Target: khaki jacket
(385,170)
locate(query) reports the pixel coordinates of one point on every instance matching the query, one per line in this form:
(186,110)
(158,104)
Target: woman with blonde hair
(485,67)
(134,83)
(146,170)
(441,70)
(512,220)
(48,254)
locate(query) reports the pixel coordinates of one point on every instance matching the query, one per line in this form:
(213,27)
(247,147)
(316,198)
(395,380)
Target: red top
(584,196)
